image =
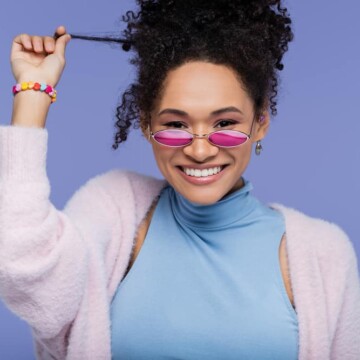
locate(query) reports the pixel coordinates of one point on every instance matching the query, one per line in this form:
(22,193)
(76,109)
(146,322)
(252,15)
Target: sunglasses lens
(227,138)
(173,137)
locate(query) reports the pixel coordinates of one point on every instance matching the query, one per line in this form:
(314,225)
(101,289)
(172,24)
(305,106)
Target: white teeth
(202,173)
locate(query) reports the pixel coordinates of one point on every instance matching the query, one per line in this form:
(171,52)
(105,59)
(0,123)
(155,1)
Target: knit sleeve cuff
(23,153)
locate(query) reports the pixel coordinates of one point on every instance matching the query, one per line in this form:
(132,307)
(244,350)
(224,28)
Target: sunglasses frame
(206,136)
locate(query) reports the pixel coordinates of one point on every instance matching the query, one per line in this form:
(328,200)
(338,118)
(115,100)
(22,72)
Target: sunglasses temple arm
(252,127)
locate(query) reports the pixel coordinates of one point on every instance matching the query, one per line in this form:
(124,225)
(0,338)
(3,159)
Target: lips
(201,178)
(196,172)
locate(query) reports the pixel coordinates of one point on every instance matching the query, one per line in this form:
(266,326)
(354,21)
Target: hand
(39,59)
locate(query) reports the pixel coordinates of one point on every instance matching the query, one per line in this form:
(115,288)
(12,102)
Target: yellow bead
(24,86)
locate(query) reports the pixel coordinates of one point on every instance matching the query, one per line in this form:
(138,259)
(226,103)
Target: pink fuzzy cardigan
(60,269)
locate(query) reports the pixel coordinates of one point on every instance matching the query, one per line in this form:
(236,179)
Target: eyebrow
(213,113)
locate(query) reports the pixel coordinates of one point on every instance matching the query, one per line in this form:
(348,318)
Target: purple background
(311,156)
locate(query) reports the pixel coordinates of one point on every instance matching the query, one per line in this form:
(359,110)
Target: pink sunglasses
(221,138)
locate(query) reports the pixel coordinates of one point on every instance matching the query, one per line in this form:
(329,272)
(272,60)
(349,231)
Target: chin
(202,196)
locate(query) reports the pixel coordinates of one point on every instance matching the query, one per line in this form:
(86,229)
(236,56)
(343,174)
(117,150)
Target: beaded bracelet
(37,87)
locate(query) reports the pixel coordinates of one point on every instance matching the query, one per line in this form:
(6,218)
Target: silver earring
(258,148)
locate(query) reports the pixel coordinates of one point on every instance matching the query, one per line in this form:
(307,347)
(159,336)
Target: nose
(201,150)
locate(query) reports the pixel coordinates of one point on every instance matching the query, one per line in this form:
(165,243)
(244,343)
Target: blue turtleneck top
(206,284)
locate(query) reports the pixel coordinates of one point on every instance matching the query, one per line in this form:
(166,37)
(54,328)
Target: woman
(192,267)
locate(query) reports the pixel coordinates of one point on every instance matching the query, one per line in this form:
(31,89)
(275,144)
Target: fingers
(60,30)
(42,44)
(23,41)
(37,43)
(61,39)
(60,45)
(49,44)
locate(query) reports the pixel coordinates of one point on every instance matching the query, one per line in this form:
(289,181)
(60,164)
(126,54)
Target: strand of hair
(98,38)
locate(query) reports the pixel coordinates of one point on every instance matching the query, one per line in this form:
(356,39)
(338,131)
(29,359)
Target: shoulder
(115,199)
(117,178)
(308,235)
(121,189)
(122,183)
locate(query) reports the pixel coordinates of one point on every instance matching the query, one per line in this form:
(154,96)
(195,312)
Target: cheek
(242,156)
(163,156)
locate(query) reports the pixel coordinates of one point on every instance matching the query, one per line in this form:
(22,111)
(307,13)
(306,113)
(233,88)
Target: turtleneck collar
(231,208)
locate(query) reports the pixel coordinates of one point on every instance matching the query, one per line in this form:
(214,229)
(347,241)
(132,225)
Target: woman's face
(192,93)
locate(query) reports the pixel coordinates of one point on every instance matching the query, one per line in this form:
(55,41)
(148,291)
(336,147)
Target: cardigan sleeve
(346,342)
(44,252)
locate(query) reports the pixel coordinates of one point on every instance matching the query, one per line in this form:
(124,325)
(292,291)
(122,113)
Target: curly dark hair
(249,37)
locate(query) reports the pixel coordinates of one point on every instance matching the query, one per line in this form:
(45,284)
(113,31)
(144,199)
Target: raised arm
(38,59)
(44,253)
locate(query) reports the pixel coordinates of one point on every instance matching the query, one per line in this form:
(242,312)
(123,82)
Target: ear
(146,133)
(144,126)
(261,128)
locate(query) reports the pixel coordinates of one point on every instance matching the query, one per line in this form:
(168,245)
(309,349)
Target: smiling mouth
(202,173)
